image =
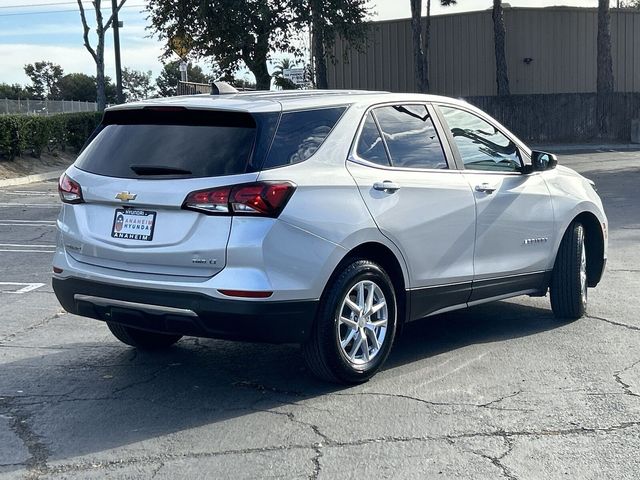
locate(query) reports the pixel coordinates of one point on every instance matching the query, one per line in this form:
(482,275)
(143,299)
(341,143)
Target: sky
(35,30)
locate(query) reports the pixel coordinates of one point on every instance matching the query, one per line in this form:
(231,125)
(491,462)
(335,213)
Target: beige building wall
(561,43)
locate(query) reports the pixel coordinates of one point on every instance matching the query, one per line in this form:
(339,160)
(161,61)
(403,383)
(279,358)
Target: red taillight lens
(209,201)
(69,190)
(261,198)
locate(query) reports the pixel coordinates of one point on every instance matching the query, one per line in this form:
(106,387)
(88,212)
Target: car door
(424,207)
(514,220)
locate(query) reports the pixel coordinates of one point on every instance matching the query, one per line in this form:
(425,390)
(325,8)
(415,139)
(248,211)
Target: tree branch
(86,28)
(111,18)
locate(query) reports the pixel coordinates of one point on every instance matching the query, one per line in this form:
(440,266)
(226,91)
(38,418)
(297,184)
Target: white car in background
(325,218)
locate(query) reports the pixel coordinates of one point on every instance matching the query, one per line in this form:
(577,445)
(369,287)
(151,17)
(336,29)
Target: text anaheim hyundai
(325,218)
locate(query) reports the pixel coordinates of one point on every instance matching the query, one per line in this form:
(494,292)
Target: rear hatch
(135,175)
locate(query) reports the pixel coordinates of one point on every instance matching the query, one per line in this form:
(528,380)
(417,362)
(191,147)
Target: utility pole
(116,46)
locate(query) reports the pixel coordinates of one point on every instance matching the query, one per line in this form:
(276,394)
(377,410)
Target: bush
(79,126)
(37,133)
(19,133)
(11,136)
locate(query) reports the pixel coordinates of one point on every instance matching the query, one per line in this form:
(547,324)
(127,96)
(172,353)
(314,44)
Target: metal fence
(45,107)
(191,88)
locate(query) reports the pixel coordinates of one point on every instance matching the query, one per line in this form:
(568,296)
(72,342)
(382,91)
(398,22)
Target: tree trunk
(101,96)
(259,69)
(427,40)
(261,72)
(605,62)
(319,60)
(418,53)
(499,34)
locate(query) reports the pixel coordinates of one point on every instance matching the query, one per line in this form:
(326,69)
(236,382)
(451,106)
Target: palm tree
(499,34)
(278,74)
(421,43)
(605,62)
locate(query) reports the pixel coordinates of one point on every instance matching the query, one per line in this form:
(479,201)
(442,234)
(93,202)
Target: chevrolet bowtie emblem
(126,196)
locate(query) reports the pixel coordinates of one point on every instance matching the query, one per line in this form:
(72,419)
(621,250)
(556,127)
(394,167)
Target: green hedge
(34,134)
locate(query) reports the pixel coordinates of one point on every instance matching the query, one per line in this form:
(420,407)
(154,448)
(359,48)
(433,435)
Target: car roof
(270,101)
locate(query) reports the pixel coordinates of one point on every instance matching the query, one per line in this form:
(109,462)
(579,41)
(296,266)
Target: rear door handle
(386,186)
(486,188)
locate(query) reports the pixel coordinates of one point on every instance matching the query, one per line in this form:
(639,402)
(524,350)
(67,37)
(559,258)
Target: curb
(40,177)
(610,147)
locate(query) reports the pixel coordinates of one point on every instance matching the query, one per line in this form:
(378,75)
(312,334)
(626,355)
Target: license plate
(132,224)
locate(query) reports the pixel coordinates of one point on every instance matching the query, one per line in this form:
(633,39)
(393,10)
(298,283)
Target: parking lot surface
(497,391)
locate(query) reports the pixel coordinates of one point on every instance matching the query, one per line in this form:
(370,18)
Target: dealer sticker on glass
(133,224)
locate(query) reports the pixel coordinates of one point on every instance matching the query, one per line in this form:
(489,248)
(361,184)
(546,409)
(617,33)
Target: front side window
(411,137)
(481,145)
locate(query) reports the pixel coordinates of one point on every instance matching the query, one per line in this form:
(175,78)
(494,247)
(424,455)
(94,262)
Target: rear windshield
(182,143)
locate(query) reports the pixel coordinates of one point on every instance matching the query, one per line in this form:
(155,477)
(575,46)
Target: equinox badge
(126,196)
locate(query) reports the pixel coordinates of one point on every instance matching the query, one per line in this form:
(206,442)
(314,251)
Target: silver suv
(325,218)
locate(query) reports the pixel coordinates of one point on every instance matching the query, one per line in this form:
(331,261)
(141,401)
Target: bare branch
(110,21)
(86,28)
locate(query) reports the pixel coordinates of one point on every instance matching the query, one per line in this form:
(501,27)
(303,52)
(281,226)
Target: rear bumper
(190,314)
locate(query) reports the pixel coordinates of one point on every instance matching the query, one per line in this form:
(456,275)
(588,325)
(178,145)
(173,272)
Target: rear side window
(152,143)
(300,134)
(370,146)
(411,137)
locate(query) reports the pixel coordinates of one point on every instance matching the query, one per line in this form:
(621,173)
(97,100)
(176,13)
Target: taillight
(69,190)
(266,199)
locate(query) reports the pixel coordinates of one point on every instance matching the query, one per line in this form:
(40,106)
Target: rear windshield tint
(300,134)
(182,143)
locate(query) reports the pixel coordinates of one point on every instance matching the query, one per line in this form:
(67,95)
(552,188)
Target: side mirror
(542,161)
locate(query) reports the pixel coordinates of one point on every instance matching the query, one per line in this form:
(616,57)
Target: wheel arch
(594,245)
(389,261)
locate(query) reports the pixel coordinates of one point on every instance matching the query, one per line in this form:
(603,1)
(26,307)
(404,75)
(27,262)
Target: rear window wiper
(158,170)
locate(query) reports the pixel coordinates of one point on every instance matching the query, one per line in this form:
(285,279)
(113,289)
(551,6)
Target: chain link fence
(45,107)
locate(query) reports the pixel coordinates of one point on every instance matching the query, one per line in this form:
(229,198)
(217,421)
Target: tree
(98,53)
(499,34)
(78,86)
(136,85)
(231,31)
(605,61)
(167,81)
(45,77)
(278,75)
(421,43)
(328,19)
(14,92)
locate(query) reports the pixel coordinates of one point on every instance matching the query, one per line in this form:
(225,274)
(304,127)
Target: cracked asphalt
(497,391)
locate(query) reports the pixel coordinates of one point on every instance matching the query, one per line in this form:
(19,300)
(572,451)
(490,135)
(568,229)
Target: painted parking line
(28,248)
(27,223)
(39,205)
(26,287)
(32,193)
(19,250)
(22,245)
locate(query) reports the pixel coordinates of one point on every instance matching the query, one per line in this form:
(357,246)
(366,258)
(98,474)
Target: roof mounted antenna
(221,88)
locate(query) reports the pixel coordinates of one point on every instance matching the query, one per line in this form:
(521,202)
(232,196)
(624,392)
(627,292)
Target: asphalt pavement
(497,391)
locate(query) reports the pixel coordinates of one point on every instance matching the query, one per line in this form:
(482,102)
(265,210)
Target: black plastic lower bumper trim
(259,321)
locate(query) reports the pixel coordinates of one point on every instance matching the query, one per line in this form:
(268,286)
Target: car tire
(355,326)
(568,289)
(142,339)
